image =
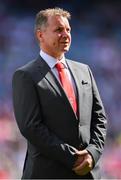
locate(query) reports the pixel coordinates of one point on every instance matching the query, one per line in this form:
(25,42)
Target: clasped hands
(84,163)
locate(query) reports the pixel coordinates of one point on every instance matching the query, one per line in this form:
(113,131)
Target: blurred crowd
(96,40)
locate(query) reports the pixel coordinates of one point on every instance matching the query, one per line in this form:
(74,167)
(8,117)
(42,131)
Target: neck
(58,56)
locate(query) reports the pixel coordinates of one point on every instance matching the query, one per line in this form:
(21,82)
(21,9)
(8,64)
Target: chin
(66,49)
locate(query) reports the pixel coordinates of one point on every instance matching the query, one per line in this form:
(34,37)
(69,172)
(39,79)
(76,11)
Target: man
(58,108)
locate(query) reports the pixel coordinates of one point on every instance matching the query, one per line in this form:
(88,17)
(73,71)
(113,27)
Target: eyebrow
(60,26)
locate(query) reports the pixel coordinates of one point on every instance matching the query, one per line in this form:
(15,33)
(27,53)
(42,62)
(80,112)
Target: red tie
(67,85)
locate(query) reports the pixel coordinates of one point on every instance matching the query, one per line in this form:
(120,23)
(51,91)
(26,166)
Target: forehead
(58,21)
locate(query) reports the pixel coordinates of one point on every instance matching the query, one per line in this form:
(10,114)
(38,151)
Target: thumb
(82,152)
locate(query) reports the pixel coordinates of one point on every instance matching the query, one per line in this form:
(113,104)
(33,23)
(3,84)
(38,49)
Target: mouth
(65,43)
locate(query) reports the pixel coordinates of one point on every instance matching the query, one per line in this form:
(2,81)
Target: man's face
(56,37)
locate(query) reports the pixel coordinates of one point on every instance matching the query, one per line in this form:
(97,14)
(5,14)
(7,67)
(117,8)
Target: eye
(59,29)
(68,30)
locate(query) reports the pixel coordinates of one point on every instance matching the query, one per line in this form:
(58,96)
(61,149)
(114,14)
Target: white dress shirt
(51,61)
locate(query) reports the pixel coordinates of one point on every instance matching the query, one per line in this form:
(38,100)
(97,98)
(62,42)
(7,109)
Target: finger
(80,166)
(83,152)
(84,170)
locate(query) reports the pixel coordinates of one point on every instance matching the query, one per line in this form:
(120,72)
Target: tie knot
(60,66)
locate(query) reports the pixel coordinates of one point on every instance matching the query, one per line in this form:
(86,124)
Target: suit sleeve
(98,124)
(29,118)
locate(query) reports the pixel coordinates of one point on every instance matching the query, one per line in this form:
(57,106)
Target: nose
(65,33)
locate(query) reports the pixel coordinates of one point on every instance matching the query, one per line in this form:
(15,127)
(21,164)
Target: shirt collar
(51,61)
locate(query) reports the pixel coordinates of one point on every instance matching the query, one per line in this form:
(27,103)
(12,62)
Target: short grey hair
(42,16)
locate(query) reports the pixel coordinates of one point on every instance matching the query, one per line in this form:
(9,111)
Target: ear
(39,35)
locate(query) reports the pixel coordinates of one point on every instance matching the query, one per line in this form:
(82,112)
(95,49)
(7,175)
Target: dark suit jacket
(48,122)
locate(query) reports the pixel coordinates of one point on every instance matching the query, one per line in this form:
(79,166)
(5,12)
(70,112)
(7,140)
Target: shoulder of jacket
(77,63)
(24,71)
(26,67)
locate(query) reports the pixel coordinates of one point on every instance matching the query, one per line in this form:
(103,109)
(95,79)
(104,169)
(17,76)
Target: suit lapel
(45,72)
(54,82)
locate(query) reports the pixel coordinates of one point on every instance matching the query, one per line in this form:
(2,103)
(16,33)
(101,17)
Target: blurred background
(96,40)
